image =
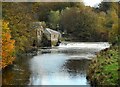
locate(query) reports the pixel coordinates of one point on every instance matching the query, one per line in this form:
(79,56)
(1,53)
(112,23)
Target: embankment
(104,69)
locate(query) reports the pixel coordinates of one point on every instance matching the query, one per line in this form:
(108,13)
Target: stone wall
(46,37)
(39,32)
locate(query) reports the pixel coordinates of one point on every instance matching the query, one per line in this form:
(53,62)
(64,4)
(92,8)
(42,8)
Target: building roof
(52,31)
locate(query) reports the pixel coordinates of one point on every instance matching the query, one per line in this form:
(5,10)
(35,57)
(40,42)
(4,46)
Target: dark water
(63,65)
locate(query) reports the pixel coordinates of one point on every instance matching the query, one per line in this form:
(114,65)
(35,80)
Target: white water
(79,45)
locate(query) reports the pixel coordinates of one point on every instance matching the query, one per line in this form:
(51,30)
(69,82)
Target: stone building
(52,35)
(46,36)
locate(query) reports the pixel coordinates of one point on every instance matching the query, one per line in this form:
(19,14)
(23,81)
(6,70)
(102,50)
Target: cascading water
(96,45)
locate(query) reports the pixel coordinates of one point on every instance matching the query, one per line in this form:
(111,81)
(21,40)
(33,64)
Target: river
(65,64)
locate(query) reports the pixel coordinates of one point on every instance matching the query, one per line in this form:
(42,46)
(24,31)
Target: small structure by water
(46,36)
(52,35)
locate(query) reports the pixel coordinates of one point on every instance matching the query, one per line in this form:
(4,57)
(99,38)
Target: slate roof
(52,31)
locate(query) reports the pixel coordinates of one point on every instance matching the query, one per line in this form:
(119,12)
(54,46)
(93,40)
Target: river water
(62,65)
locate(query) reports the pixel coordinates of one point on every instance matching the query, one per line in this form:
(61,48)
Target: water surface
(62,65)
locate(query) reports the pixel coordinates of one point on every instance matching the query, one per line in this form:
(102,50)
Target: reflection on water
(62,65)
(17,74)
(57,69)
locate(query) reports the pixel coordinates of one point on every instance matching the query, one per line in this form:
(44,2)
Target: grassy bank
(104,69)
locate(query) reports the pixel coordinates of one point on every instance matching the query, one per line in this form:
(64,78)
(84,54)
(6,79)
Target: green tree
(80,23)
(42,9)
(54,19)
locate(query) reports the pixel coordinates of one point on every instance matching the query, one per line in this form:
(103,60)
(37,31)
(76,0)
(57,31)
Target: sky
(91,3)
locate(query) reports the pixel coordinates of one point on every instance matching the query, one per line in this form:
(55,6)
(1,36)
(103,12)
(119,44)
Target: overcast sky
(91,3)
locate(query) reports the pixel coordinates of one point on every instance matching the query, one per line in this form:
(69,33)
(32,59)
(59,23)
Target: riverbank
(104,69)
(17,73)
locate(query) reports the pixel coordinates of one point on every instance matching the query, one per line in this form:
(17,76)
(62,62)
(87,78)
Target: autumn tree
(7,46)
(112,17)
(20,17)
(113,26)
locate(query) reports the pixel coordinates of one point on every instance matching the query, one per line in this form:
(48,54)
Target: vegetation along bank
(104,69)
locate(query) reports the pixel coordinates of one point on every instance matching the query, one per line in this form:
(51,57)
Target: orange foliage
(7,46)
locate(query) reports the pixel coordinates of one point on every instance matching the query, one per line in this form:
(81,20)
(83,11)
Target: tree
(42,9)
(113,27)
(19,21)
(7,46)
(54,19)
(112,17)
(80,23)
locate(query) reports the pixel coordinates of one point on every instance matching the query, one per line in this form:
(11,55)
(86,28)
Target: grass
(103,69)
